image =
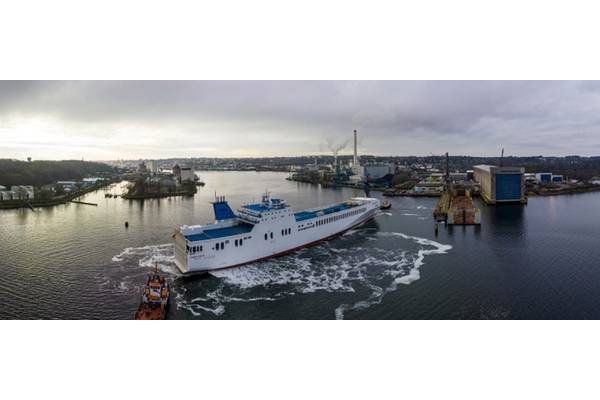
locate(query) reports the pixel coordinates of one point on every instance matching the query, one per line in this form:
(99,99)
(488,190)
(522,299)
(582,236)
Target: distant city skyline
(109,120)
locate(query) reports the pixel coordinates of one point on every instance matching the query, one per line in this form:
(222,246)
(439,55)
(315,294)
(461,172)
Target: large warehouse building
(501,184)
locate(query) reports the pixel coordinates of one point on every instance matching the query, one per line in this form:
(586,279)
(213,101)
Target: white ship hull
(259,232)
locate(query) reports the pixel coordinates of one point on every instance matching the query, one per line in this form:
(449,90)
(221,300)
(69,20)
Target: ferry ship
(263,230)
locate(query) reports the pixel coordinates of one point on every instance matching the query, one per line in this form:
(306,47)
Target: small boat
(386,205)
(107,195)
(155,297)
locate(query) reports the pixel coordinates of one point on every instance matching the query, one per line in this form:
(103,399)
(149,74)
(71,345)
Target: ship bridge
(254,213)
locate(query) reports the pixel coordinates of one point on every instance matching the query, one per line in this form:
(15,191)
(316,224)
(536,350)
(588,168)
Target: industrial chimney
(355,160)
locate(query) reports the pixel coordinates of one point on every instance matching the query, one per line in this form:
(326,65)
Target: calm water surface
(536,261)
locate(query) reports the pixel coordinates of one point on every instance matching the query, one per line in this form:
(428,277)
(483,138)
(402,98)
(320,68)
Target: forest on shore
(38,173)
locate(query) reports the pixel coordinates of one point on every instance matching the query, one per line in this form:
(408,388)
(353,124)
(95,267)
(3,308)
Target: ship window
(236,243)
(200,248)
(282,232)
(222,245)
(241,242)
(271,235)
(266,237)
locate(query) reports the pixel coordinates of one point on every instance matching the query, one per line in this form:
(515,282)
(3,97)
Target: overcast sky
(106,120)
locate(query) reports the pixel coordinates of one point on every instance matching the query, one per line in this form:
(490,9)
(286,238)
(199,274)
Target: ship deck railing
(313,213)
(218,233)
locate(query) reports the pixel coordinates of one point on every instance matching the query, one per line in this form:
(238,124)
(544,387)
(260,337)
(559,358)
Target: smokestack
(355,160)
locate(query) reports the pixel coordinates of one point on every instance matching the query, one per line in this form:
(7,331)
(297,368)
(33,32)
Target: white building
(20,192)
(91,181)
(187,175)
(152,166)
(67,185)
(6,194)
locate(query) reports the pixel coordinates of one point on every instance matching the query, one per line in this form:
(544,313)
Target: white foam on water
(134,262)
(196,309)
(399,274)
(331,267)
(366,272)
(438,248)
(149,256)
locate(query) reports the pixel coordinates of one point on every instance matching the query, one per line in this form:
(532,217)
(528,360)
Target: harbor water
(538,261)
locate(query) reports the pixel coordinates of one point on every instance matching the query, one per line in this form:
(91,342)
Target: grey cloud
(292,117)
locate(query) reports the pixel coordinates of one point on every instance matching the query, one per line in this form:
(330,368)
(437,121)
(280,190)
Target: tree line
(39,173)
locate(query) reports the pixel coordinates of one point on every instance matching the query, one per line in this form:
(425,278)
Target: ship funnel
(222,209)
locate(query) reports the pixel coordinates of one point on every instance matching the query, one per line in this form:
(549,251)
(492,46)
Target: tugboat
(155,298)
(386,205)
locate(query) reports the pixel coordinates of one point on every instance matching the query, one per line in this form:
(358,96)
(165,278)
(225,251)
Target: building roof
(484,167)
(500,170)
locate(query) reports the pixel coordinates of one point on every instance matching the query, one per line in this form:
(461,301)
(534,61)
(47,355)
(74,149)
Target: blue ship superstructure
(263,230)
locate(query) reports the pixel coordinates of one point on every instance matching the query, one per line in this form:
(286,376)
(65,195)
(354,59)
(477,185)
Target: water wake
(338,266)
(149,256)
(363,264)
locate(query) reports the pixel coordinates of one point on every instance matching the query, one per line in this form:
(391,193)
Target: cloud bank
(159,119)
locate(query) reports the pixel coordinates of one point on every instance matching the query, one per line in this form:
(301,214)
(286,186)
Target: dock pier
(83,202)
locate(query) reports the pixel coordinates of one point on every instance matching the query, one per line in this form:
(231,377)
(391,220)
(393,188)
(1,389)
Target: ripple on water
(388,260)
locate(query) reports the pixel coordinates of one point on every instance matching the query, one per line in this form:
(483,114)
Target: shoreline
(157,196)
(561,192)
(402,193)
(16,204)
